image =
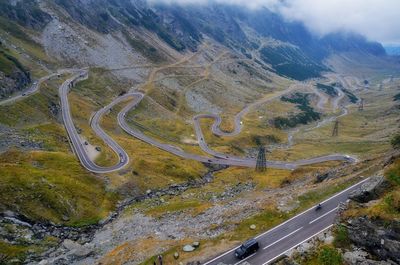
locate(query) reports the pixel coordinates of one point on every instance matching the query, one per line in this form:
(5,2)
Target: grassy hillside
(52,186)
(306,115)
(388,206)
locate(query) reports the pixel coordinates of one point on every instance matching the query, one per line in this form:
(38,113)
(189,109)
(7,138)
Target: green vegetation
(330,90)
(329,256)
(266,219)
(50,186)
(341,237)
(387,208)
(263,221)
(23,247)
(291,62)
(32,110)
(393,174)
(7,66)
(16,34)
(9,252)
(396,141)
(14,29)
(353,98)
(9,63)
(306,116)
(144,48)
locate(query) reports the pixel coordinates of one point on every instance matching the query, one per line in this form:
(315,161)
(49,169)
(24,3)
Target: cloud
(376,19)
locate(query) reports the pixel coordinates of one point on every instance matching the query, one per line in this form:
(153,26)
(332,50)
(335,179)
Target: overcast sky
(376,19)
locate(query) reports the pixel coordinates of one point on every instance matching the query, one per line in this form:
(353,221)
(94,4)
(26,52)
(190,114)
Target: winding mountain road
(136,97)
(77,142)
(218,158)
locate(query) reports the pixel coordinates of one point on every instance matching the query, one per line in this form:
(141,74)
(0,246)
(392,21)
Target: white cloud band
(376,19)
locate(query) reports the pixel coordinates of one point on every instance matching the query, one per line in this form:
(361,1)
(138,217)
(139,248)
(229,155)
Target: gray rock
(82,252)
(76,249)
(379,238)
(188,248)
(196,244)
(359,257)
(252,227)
(70,245)
(370,190)
(176,255)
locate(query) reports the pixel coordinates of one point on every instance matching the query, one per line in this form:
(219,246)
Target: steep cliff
(13,76)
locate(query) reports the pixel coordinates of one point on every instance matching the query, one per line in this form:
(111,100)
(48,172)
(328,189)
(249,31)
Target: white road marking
(282,238)
(245,259)
(325,214)
(300,214)
(297,244)
(276,227)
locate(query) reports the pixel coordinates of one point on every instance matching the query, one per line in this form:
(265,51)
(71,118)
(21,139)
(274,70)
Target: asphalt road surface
(78,145)
(217,158)
(77,142)
(35,86)
(286,236)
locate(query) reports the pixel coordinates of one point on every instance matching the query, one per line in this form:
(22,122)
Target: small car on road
(246,249)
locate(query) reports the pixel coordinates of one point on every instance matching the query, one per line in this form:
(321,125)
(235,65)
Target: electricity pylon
(261,164)
(361,105)
(335,131)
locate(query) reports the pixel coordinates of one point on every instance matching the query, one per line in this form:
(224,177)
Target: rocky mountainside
(160,32)
(188,60)
(13,75)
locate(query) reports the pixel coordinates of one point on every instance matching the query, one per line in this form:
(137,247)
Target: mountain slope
(149,29)
(187,60)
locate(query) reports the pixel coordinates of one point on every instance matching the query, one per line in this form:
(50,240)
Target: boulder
(188,248)
(176,255)
(196,244)
(70,245)
(76,249)
(252,227)
(370,190)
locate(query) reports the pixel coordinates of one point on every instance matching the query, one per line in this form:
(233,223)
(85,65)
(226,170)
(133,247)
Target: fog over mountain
(377,20)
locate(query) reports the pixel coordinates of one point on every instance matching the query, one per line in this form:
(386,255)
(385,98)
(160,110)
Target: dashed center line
(282,238)
(244,259)
(325,214)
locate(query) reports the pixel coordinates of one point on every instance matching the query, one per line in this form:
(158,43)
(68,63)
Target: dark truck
(246,249)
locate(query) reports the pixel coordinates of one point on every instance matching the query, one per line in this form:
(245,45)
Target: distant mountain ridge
(300,54)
